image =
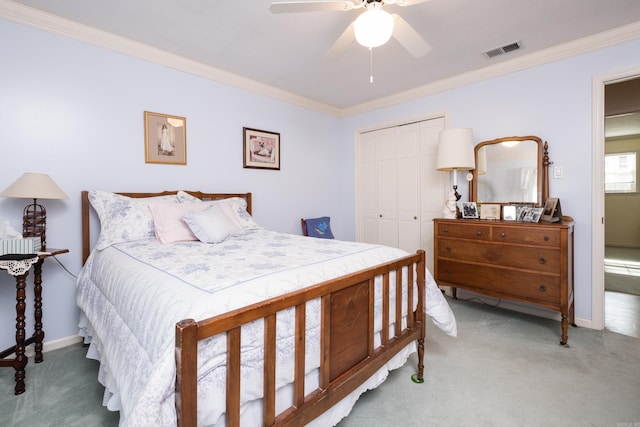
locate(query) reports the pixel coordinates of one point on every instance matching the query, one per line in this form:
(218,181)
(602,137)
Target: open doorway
(621,206)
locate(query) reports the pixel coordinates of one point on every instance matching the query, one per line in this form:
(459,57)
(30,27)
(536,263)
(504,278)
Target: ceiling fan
(373,28)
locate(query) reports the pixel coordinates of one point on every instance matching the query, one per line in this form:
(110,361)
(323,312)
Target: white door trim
(597,188)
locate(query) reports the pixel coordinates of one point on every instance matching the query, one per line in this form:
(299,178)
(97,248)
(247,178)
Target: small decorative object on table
(489,211)
(552,211)
(530,214)
(469,210)
(509,213)
(450,206)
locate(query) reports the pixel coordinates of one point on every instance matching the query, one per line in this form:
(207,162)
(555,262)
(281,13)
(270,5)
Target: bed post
(186,372)
(420,316)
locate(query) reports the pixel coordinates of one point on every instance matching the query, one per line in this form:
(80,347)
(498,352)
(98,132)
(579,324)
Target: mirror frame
(543,169)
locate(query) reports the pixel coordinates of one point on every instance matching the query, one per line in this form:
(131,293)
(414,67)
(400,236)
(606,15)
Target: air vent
(502,49)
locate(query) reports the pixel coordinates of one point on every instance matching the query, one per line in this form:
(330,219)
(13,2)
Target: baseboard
(54,345)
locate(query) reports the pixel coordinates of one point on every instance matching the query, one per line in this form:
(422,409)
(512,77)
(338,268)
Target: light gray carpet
(503,369)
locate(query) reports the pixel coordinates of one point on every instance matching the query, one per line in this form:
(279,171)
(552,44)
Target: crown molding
(54,24)
(38,19)
(544,56)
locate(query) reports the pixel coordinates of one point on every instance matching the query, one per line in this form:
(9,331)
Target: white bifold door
(398,190)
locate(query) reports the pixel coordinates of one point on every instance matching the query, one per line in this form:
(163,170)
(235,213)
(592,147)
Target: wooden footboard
(348,354)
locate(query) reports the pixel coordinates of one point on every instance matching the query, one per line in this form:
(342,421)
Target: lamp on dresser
(455,152)
(34,186)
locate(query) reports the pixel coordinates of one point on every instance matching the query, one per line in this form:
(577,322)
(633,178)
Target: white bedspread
(132,294)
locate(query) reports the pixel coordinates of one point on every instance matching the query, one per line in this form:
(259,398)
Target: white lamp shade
(455,150)
(374,27)
(34,186)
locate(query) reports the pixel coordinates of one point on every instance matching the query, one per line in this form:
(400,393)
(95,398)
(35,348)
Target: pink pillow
(168,222)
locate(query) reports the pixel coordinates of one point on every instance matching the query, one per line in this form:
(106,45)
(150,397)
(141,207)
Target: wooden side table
(19,266)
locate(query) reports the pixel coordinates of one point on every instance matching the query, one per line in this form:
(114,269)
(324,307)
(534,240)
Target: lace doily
(18,268)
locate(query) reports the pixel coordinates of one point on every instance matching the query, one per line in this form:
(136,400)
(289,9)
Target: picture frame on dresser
(509,213)
(552,212)
(490,211)
(530,214)
(469,210)
(165,138)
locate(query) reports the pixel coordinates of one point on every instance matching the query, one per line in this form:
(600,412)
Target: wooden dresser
(528,262)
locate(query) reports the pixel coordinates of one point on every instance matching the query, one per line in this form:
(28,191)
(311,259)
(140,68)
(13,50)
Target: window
(620,172)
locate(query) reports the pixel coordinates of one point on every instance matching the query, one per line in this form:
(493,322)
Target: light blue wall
(75,111)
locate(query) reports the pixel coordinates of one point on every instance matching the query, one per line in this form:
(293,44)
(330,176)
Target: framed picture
(530,214)
(489,211)
(552,211)
(261,149)
(469,210)
(165,139)
(509,213)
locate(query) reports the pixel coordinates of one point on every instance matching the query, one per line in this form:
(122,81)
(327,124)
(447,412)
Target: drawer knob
(446,230)
(503,235)
(542,288)
(479,233)
(542,260)
(449,271)
(415,217)
(546,238)
(380,215)
(448,249)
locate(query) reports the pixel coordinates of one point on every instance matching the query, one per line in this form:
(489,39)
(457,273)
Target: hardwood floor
(622,295)
(622,313)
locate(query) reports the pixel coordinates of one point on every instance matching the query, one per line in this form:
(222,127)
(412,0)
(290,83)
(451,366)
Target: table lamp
(34,186)
(455,152)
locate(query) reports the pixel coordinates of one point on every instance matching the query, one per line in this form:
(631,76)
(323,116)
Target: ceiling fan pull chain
(371,64)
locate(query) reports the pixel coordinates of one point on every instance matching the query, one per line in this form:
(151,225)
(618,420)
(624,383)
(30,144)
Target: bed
(200,316)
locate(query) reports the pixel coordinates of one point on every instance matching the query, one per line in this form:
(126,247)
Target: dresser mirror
(511,170)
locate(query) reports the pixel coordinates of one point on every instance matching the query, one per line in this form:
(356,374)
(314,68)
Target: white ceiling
(285,51)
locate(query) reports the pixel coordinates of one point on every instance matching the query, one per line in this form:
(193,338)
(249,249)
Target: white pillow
(124,219)
(238,207)
(211,225)
(235,207)
(183,197)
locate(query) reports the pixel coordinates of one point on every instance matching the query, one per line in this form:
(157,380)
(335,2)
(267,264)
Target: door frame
(597,188)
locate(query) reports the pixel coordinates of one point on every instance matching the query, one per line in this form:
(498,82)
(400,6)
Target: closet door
(407,139)
(393,173)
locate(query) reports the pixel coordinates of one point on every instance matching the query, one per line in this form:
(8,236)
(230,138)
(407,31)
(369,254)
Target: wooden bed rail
(348,356)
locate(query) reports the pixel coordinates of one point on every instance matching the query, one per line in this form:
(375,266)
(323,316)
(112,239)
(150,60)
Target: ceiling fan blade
(313,6)
(409,38)
(343,42)
(405,2)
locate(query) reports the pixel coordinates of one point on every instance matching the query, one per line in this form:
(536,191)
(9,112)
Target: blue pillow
(319,227)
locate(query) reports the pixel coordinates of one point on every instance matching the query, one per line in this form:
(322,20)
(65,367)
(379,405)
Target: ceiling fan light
(374,27)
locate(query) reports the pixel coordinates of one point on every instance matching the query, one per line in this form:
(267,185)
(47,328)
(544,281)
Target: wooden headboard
(86,208)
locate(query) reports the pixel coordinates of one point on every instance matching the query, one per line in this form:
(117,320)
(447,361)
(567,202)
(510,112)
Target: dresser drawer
(527,235)
(522,257)
(465,231)
(501,281)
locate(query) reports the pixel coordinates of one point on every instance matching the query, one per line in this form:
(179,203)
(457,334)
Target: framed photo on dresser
(469,210)
(489,211)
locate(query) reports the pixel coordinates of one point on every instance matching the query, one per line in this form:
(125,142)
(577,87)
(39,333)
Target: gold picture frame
(261,149)
(165,139)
